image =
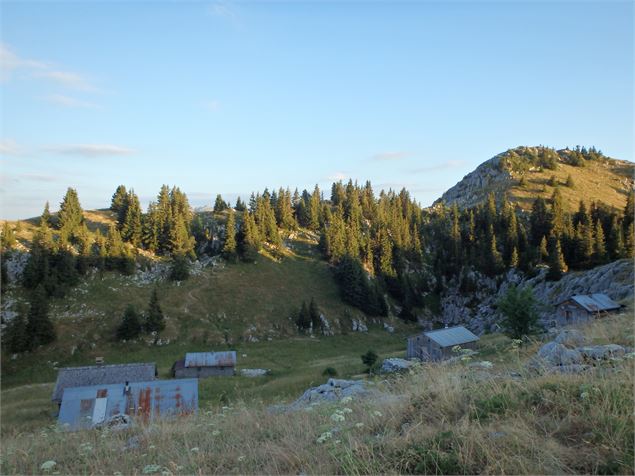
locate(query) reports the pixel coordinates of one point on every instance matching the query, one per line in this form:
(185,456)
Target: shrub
(329,372)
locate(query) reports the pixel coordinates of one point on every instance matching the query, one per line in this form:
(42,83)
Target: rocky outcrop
(474,187)
(254,372)
(332,390)
(477,309)
(395,365)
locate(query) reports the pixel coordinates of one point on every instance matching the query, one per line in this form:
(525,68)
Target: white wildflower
(151,469)
(327,435)
(194,450)
(346,410)
(215,432)
(48,465)
(584,395)
(241,458)
(359,425)
(346,400)
(486,364)
(377,413)
(337,417)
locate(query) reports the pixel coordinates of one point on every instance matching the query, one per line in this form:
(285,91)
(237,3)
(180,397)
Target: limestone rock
(570,338)
(395,365)
(602,352)
(254,372)
(553,353)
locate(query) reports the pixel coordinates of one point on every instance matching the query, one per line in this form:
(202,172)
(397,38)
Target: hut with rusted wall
(205,364)
(90,406)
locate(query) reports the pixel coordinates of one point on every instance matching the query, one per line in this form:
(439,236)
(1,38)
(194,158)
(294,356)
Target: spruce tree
(119,199)
(314,315)
(71,215)
(513,260)
(570,183)
(599,247)
(230,246)
(130,326)
(15,336)
(7,240)
(39,328)
(314,209)
(46,215)
(303,319)
(219,204)
(557,265)
(131,230)
(615,242)
(629,242)
(154,320)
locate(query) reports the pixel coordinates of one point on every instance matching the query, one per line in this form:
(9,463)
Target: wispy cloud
(211,106)
(67,101)
(10,147)
(223,9)
(448,164)
(91,150)
(394,155)
(41,178)
(11,62)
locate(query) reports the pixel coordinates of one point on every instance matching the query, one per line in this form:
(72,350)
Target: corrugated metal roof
(84,407)
(100,375)
(210,359)
(451,336)
(595,302)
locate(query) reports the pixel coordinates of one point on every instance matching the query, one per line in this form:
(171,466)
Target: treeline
(494,237)
(521,159)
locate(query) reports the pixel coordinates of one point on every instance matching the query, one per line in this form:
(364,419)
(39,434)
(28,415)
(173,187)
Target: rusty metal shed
(101,375)
(85,407)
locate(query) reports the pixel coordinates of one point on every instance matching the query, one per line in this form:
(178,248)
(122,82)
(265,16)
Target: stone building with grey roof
(437,345)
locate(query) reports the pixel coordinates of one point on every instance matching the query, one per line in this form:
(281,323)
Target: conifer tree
(71,215)
(557,213)
(240,205)
(230,246)
(539,220)
(513,260)
(219,204)
(39,328)
(615,242)
(114,243)
(154,320)
(599,247)
(570,183)
(519,310)
(557,265)
(130,326)
(248,238)
(7,240)
(303,319)
(629,242)
(314,315)
(494,260)
(15,338)
(385,267)
(119,199)
(314,209)
(131,230)
(46,215)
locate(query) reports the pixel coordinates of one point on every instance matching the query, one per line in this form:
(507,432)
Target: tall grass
(437,419)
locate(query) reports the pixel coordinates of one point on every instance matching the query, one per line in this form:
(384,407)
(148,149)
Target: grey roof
(210,359)
(145,401)
(100,375)
(451,336)
(595,302)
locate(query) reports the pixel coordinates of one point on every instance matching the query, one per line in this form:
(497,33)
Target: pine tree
(513,260)
(230,246)
(114,243)
(314,209)
(303,319)
(154,320)
(385,266)
(219,204)
(15,338)
(131,230)
(119,199)
(629,242)
(570,183)
(248,238)
(599,247)
(539,220)
(557,265)
(240,205)
(130,326)
(494,260)
(629,210)
(7,240)
(543,249)
(46,215)
(4,275)
(71,215)
(557,213)
(615,243)
(39,328)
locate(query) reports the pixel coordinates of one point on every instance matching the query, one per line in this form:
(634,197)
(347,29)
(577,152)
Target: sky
(232,97)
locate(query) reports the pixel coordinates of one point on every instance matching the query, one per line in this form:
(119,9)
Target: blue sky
(231,97)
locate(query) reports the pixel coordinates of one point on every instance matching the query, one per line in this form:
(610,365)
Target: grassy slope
(220,308)
(440,419)
(600,181)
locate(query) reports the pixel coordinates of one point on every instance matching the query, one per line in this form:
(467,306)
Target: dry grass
(439,419)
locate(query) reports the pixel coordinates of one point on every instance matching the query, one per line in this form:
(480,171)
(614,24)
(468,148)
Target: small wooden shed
(438,344)
(582,308)
(205,364)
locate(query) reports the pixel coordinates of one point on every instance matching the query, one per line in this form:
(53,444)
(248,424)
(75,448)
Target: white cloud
(91,150)
(67,101)
(10,62)
(223,9)
(395,155)
(10,147)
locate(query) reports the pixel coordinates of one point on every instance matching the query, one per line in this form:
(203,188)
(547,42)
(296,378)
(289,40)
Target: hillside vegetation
(456,418)
(525,173)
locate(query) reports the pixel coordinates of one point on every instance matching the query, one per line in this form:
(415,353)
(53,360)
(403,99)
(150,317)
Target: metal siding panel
(451,336)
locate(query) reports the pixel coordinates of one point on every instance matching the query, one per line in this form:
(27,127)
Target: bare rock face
(333,390)
(473,189)
(395,365)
